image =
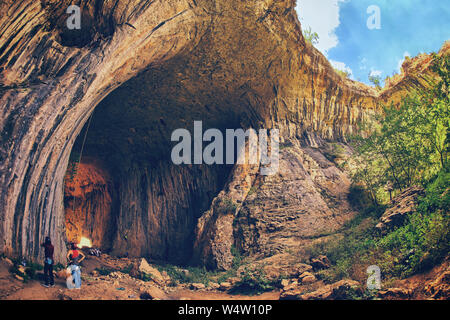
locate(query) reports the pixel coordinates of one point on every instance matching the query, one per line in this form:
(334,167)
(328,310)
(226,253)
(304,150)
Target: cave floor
(104,290)
(116,286)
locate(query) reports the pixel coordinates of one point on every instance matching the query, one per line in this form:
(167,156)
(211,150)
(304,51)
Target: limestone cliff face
(229,63)
(415,74)
(305,200)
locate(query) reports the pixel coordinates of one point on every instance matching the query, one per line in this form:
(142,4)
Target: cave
(121,190)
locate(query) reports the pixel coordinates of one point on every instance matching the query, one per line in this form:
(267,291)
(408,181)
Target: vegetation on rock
(311,36)
(407,146)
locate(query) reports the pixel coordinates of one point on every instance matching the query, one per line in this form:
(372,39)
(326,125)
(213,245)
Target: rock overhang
(248,61)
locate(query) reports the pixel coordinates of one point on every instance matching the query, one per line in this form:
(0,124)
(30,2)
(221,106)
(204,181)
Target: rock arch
(250,54)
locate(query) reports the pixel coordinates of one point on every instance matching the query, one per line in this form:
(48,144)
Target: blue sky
(407,28)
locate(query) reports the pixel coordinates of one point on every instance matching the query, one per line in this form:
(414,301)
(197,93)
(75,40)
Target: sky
(373,36)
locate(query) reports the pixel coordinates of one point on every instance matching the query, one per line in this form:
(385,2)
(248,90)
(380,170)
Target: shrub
(310,36)
(358,197)
(104,271)
(228,205)
(29,269)
(127,269)
(187,275)
(253,282)
(422,242)
(238,261)
(146,277)
(342,73)
(417,246)
(437,194)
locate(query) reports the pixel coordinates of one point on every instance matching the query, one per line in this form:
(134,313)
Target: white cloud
(375,73)
(322,16)
(400,62)
(363,64)
(341,66)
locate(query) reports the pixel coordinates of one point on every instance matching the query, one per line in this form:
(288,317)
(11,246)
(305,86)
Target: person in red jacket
(75,256)
(48,262)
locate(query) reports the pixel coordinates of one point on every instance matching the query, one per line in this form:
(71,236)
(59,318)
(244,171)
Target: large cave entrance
(122,191)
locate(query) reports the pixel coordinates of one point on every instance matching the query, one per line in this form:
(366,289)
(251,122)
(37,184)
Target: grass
(104,271)
(127,269)
(420,243)
(253,282)
(202,275)
(228,205)
(252,190)
(336,152)
(188,274)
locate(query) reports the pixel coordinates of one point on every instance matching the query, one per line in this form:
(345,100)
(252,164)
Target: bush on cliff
(422,242)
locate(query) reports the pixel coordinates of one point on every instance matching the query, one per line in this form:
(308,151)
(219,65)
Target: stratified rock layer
(307,198)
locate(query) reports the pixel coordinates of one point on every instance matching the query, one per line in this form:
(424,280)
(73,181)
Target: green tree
(408,144)
(375,80)
(310,36)
(343,73)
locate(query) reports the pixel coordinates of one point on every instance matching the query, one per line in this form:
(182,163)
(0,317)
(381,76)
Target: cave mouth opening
(122,191)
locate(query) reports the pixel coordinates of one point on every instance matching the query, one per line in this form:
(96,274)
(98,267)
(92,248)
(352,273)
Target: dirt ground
(434,284)
(122,287)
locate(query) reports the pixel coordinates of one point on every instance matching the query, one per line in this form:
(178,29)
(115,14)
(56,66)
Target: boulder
(197,286)
(21,269)
(166,276)
(307,277)
(284,283)
(62,274)
(291,286)
(340,290)
(234,280)
(213,286)
(8,262)
(225,286)
(118,275)
(395,293)
(440,287)
(321,262)
(152,293)
(18,277)
(303,267)
(402,205)
(154,273)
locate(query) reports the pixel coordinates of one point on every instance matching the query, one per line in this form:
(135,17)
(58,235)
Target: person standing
(75,257)
(48,262)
